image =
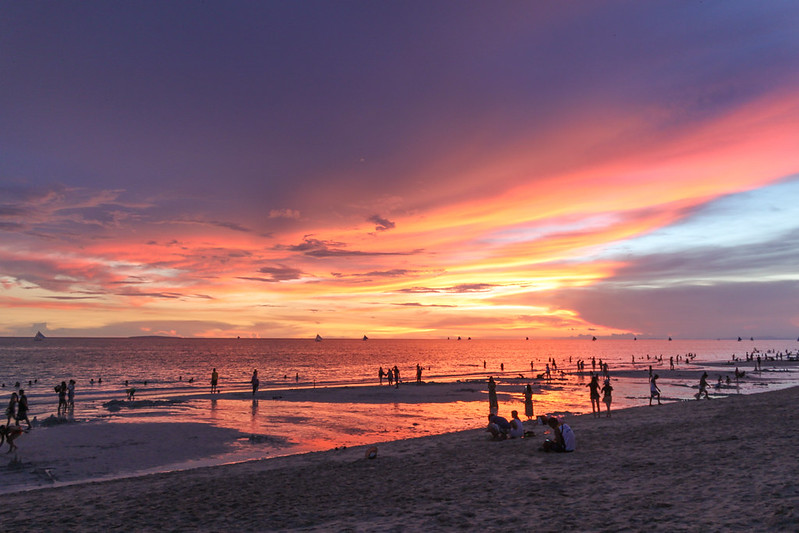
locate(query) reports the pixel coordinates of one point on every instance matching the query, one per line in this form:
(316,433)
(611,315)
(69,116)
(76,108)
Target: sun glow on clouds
(492,211)
(455,263)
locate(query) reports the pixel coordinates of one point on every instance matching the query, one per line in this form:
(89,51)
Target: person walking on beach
(255,382)
(214,381)
(418,374)
(703,387)
(493,403)
(396,377)
(654,391)
(380,374)
(528,402)
(593,386)
(607,391)
(11,410)
(22,408)
(390,376)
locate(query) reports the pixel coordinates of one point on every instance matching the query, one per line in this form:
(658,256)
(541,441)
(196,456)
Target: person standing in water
(593,386)
(214,381)
(528,402)
(255,382)
(607,395)
(654,390)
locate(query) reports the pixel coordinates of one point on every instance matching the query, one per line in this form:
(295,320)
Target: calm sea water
(163,368)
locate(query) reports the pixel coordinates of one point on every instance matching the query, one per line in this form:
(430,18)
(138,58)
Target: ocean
(171,377)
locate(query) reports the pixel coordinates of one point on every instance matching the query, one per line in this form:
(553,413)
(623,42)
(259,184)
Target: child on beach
(654,391)
(607,391)
(255,382)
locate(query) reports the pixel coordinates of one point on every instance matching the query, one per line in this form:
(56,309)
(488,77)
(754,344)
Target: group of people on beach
(393,375)
(607,394)
(66,397)
(17,410)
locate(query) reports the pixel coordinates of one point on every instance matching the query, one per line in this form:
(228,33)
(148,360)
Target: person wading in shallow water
(654,391)
(214,381)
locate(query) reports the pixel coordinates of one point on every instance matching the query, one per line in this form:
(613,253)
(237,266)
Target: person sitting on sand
(563,439)
(516,426)
(498,426)
(654,391)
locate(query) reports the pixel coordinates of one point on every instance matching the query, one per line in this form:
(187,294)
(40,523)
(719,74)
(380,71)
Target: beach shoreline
(723,464)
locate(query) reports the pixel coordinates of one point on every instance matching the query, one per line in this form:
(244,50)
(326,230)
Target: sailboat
(318,338)
(39,336)
(365,338)
(593,339)
(739,339)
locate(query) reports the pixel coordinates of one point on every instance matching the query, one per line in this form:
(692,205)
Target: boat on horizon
(318,338)
(365,338)
(39,336)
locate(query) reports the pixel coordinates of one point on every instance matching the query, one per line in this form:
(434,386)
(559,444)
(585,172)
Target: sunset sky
(399,168)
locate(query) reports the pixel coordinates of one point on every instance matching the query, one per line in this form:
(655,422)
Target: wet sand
(718,465)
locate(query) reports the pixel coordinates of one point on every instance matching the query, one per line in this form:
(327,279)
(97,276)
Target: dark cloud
(281,273)
(760,309)
(418,304)
(318,248)
(381,224)
(462,288)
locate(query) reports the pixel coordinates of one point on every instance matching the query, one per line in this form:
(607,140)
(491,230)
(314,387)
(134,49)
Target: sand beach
(727,464)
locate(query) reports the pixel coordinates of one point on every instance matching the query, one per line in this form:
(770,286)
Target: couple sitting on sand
(563,439)
(501,429)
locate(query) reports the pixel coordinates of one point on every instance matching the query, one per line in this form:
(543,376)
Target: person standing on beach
(22,408)
(528,402)
(62,398)
(396,377)
(11,410)
(654,391)
(380,374)
(607,397)
(493,403)
(71,394)
(593,386)
(214,381)
(255,382)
